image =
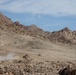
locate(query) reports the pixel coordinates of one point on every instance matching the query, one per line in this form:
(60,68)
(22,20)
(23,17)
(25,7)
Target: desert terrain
(31,51)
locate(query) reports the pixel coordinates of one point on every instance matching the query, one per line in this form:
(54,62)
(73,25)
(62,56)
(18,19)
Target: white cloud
(3,1)
(53,7)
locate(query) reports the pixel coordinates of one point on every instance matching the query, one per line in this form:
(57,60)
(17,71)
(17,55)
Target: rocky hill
(29,50)
(63,36)
(4,20)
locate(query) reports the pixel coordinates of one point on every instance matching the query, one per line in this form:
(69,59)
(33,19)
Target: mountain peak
(66,29)
(33,27)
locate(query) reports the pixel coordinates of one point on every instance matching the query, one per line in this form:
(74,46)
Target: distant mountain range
(65,35)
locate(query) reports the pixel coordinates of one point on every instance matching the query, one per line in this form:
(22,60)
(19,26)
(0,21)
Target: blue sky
(50,15)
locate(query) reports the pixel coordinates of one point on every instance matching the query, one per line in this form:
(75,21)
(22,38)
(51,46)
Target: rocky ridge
(63,36)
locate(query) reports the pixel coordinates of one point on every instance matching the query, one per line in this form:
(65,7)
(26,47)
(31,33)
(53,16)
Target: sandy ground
(44,56)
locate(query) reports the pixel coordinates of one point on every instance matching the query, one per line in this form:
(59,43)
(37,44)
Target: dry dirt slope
(26,55)
(22,54)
